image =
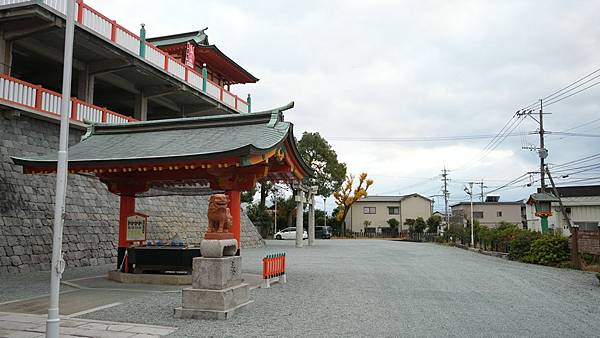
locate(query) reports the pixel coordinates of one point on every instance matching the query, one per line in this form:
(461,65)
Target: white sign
(136,228)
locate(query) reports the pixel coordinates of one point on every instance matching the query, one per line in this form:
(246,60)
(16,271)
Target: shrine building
(208,136)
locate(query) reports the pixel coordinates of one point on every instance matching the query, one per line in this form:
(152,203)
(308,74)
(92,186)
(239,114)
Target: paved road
(385,288)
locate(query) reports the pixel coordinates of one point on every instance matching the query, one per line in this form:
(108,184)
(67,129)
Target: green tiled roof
(542,197)
(199,37)
(186,138)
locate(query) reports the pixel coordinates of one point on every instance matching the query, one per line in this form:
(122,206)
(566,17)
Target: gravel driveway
(384,288)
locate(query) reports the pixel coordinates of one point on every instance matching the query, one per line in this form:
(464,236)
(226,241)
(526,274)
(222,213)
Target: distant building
(582,204)
(379,209)
(489,213)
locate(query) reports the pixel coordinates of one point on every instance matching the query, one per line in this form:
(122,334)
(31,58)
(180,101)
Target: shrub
(567,265)
(520,246)
(598,276)
(548,250)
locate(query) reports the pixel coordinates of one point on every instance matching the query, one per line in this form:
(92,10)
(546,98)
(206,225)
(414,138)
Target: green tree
(410,222)
(420,225)
(318,154)
(265,189)
(393,223)
(433,223)
(261,218)
(248,196)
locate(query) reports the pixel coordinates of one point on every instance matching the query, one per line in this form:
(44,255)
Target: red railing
(274,268)
(35,97)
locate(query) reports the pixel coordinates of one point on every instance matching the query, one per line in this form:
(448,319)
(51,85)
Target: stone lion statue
(219,216)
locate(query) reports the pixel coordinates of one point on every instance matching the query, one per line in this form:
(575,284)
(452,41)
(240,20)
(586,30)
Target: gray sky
(381,69)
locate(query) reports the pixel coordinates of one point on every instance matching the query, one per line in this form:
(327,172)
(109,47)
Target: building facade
(489,214)
(377,210)
(582,205)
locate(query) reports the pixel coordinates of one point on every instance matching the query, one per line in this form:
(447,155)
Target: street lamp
(470,192)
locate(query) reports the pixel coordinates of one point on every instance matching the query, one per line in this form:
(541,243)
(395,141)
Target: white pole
(325,211)
(311,216)
(275,213)
(299,217)
(472,220)
(58,264)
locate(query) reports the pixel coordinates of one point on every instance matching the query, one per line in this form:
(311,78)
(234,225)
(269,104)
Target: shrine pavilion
(198,156)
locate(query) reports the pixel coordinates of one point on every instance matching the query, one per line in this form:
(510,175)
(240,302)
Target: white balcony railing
(43,100)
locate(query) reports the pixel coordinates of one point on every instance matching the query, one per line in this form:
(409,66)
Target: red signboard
(190,57)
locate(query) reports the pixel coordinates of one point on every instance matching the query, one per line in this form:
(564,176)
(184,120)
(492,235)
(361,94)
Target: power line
(410,186)
(510,183)
(579,166)
(572,134)
(449,138)
(568,96)
(415,139)
(582,159)
(585,124)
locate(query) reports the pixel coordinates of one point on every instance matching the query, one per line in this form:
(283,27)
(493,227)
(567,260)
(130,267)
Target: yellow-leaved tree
(347,195)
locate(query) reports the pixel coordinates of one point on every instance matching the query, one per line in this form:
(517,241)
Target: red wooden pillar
(127,209)
(235,209)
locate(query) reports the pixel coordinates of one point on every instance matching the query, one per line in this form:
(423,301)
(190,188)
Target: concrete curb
(481,251)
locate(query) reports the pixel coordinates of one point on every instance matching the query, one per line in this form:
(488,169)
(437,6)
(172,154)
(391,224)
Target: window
(369,210)
(498,214)
(478,214)
(394,210)
(587,226)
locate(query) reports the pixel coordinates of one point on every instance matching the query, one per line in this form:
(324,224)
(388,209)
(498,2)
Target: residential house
(379,209)
(489,213)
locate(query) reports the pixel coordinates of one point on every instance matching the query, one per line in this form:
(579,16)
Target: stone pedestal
(216,248)
(217,290)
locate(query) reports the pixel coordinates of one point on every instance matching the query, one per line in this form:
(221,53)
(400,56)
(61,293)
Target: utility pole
(482,186)
(446,195)
(543,152)
(573,228)
(470,192)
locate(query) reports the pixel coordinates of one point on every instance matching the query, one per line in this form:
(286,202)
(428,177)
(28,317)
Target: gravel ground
(385,288)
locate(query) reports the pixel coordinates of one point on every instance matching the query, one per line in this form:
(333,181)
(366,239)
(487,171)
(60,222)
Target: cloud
(404,69)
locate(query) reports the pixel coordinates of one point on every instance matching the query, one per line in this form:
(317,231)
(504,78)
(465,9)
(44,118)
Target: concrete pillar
(311,216)
(140,109)
(5,55)
(299,217)
(85,86)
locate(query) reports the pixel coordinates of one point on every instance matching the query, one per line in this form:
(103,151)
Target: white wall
(411,207)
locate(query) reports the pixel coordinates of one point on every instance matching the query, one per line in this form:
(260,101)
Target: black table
(161,259)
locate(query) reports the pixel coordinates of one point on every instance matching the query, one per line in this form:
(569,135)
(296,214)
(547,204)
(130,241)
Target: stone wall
(91,220)
(589,242)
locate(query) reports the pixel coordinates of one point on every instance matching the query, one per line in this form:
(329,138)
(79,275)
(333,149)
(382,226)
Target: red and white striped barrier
(274,269)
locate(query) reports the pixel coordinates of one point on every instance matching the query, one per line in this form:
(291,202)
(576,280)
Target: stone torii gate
(304,194)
